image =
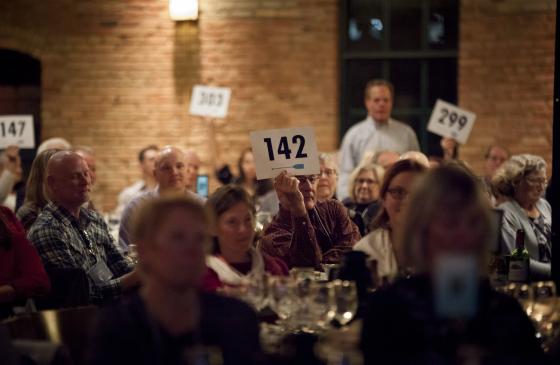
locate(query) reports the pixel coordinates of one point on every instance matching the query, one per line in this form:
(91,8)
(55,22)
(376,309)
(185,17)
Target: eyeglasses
(366,181)
(312,179)
(327,172)
(398,193)
(536,182)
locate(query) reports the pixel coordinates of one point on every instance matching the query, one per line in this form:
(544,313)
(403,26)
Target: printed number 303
(284,149)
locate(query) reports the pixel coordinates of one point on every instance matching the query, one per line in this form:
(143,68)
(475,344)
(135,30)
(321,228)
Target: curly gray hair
(510,174)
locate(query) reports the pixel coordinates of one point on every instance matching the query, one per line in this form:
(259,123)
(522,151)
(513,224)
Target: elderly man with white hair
(170,173)
(69,236)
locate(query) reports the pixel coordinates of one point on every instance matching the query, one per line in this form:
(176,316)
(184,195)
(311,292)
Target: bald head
(385,159)
(193,165)
(170,169)
(68,179)
(419,157)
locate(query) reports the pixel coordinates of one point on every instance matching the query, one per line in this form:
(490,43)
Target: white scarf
(229,275)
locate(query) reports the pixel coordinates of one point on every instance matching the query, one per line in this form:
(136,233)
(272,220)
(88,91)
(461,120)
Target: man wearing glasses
(307,232)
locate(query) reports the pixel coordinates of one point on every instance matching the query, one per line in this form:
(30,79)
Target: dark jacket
(126,334)
(401,327)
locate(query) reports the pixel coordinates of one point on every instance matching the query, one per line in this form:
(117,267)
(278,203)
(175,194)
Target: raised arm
(291,235)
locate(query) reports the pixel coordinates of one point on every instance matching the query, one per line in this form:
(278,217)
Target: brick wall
(506,75)
(117,75)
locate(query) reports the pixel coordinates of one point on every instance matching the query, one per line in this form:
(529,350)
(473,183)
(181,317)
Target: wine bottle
(519,260)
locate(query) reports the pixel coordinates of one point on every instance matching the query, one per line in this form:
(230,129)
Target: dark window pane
(442,80)
(359,73)
(406,20)
(405,76)
(443,23)
(366,25)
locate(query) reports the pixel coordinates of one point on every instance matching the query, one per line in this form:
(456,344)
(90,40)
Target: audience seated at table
(362,203)
(307,232)
(69,236)
(380,243)
(35,194)
(413,321)
(235,259)
(22,274)
(522,181)
(169,320)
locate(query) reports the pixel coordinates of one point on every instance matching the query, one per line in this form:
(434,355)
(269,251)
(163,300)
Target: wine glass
(544,315)
(133,253)
(524,294)
(544,296)
(256,291)
(281,297)
(345,300)
(322,304)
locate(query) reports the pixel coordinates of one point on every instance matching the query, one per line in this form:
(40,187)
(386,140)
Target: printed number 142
(284,148)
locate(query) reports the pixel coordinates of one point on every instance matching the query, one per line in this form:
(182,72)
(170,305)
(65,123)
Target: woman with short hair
(363,191)
(522,181)
(170,318)
(328,177)
(236,259)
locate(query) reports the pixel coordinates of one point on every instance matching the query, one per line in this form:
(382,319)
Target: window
(413,44)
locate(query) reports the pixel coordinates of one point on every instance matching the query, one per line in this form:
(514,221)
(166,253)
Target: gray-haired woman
(522,181)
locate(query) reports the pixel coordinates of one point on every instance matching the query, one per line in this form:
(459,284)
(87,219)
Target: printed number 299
(284,148)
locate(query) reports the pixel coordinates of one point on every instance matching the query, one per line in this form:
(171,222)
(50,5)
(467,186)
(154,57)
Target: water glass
(345,301)
(133,253)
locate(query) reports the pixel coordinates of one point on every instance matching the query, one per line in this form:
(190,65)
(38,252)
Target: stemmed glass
(281,298)
(133,253)
(256,291)
(522,292)
(345,300)
(544,313)
(322,304)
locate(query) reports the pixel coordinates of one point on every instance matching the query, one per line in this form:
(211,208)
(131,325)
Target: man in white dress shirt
(378,132)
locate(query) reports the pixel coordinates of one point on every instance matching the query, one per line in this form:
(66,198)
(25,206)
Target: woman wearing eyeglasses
(379,243)
(328,177)
(363,202)
(521,180)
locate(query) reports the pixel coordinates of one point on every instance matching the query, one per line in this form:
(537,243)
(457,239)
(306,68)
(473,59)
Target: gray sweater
(515,218)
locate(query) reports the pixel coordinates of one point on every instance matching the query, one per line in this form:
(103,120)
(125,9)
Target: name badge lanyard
(89,244)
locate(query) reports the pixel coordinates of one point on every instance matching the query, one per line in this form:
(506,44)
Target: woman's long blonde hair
(35,189)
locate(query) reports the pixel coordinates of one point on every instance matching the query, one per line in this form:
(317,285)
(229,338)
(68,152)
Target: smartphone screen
(202,185)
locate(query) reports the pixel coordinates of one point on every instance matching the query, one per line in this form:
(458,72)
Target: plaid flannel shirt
(56,236)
